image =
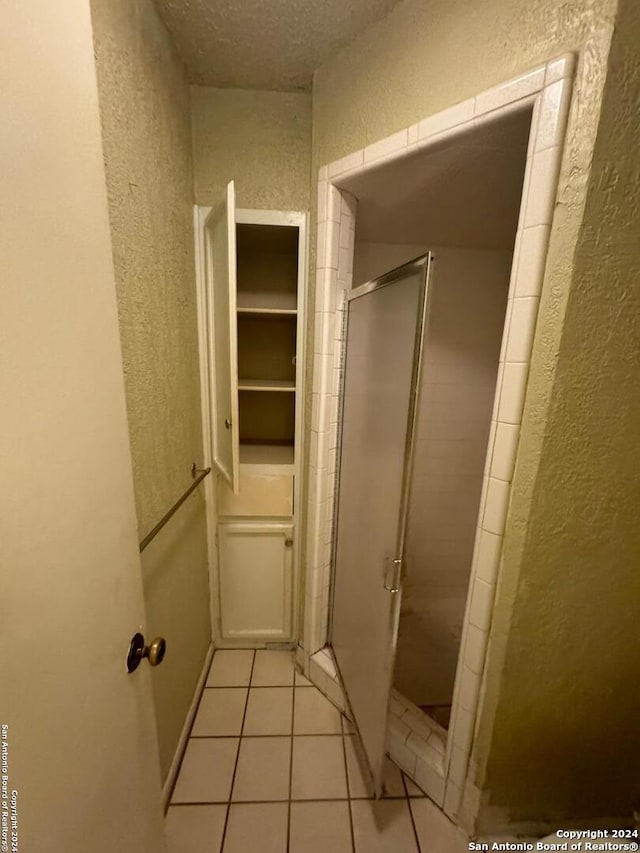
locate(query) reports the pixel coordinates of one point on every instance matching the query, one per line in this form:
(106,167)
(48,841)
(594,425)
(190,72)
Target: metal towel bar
(153,533)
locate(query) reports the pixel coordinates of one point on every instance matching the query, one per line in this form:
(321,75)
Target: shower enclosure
(461,203)
(422,347)
(476,185)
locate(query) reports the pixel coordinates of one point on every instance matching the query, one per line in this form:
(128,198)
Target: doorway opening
(461,201)
(412,459)
(475,186)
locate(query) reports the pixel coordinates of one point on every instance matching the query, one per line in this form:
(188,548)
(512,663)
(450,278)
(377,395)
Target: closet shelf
(269,312)
(267,454)
(259,300)
(265,385)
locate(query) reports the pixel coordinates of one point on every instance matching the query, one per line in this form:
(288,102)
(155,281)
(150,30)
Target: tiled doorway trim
(547,89)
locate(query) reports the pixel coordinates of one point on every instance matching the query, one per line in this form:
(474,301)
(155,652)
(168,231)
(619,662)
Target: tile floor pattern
(271,767)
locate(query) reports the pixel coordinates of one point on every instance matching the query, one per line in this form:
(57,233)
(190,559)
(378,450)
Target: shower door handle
(392,574)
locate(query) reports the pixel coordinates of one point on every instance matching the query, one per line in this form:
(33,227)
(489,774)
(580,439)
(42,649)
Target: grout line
(413,823)
(216,737)
(235,766)
(283,734)
(293,716)
(189,736)
(406,777)
(383,797)
(260,802)
(346,773)
(249,686)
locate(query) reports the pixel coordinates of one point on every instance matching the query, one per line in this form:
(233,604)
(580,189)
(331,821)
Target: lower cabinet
(256,580)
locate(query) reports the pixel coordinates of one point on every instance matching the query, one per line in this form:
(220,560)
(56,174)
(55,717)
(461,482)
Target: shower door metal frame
(361,290)
(423,261)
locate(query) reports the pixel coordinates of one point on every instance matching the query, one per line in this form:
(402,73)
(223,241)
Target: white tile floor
(271,766)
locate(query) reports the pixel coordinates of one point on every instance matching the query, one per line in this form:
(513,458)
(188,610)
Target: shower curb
(414,742)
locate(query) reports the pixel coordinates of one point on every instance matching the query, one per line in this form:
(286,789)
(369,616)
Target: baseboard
(172,775)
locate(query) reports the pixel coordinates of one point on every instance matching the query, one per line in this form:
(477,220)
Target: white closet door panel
(255,580)
(220,243)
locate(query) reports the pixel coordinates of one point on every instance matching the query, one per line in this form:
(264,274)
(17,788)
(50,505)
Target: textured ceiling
(459,193)
(264,44)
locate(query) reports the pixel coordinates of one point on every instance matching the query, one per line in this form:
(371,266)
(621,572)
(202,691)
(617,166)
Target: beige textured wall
(261,140)
(565,738)
(562,647)
(144,104)
(425,56)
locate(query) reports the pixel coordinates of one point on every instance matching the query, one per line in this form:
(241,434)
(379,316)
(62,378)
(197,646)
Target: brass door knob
(154,652)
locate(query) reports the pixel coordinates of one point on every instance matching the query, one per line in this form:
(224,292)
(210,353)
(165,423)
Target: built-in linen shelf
(279,456)
(266,385)
(268,312)
(271,301)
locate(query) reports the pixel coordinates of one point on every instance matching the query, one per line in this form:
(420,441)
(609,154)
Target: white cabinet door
(256,562)
(220,266)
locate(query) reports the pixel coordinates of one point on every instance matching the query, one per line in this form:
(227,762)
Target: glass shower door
(385,323)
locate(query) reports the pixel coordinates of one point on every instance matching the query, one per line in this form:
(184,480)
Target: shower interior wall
(467,301)
(468,298)
(468,293)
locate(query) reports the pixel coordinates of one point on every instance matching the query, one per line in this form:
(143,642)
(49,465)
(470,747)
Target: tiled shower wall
(334,276)
(467,301)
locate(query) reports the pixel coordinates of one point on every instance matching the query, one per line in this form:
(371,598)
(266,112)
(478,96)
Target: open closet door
(385,323)
(220,249)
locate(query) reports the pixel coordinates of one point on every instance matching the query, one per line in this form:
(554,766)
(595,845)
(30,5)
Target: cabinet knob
(227,423)
(288,543)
